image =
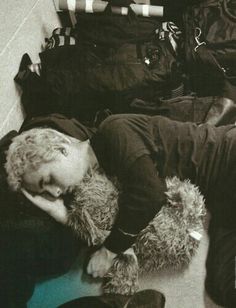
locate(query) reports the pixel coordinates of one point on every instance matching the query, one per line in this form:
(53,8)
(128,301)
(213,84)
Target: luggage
(115,59)
(210,47)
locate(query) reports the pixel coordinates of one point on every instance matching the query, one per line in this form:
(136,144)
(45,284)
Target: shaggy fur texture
(122,278)
(166,241)
(94,208)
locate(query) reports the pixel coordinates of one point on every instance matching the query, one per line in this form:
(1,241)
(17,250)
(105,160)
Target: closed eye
(49,180)
(45,181)
(41,183)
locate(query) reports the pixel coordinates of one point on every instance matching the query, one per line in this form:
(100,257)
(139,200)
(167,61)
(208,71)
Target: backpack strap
(207,58)
(204,54)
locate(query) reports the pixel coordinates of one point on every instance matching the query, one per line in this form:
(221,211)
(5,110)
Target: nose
(55,191)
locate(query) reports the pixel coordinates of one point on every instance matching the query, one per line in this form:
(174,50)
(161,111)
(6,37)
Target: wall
(23,26)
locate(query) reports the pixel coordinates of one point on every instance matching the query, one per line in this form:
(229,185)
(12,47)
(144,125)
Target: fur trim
(166,241)
(94,208)
(122,277)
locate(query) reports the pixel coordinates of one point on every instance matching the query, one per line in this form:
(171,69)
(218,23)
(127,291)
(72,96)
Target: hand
(54,208)
(100,262)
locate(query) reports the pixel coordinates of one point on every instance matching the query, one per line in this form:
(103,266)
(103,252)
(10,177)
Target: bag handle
(227,11)
(207,58)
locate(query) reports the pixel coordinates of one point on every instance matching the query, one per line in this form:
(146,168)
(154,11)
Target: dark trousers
(221,266)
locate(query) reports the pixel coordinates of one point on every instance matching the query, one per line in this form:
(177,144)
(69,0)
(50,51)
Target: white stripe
(145,10)
(124,10)
(61,40)
(89,6)
(31,68)
(164,26)
(72,41)
(173,42)
(71,5)
(37,69)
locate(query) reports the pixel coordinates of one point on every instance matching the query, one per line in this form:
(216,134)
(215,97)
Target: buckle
(197,38)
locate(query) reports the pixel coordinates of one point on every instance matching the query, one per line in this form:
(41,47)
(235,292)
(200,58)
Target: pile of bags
(135,64)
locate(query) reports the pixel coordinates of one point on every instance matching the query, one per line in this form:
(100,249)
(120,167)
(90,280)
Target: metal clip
(147,61)
(198,33)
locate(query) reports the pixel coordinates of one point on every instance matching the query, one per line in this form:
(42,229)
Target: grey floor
(183,288)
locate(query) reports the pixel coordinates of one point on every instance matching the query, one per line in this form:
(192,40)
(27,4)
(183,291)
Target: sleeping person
(45,164)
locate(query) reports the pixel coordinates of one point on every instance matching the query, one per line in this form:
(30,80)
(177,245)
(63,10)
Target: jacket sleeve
(142,197)
(122,146)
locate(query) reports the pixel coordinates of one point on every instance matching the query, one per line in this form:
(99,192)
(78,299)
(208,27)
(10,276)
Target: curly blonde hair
(29,150)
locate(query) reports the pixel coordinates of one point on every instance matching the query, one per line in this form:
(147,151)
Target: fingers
(91,267)
(96,266)
(100,262)
(99,274)
(95,271)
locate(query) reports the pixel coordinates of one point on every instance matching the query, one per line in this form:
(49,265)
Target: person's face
(60,175)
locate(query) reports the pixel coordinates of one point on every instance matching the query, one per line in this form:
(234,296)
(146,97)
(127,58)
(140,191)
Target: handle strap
(227,11)
(208,59)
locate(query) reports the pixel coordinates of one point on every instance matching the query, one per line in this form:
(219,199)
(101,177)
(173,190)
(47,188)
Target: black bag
(115,60)
(210,47)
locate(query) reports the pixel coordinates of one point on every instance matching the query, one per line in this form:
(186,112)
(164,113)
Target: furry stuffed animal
(170,239)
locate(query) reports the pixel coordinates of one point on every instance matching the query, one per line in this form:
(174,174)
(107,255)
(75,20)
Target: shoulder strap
(207,58)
